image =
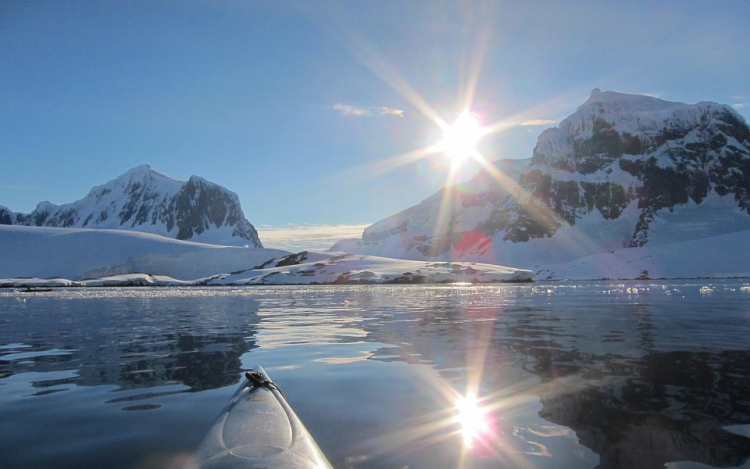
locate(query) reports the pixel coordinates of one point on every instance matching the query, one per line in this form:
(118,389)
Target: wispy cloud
(297,238)
(349,110)
(539,122)
(356,111)
(739,101)
(384,111)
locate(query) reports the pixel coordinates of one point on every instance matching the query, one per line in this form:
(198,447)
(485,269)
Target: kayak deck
(258,429)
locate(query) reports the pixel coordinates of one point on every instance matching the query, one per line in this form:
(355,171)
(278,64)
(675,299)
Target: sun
(460,139)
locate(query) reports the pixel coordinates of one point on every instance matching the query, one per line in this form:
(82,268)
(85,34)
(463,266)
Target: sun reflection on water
(472,418)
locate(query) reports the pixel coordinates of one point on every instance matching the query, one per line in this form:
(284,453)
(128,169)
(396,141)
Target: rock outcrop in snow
(145,200)
(622,171)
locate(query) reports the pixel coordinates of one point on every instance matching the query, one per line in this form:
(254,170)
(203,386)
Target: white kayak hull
(258,429)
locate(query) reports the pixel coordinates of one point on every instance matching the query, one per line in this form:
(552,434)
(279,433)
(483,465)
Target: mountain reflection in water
(622,375)
(132,341)
(601,374)
(667,406)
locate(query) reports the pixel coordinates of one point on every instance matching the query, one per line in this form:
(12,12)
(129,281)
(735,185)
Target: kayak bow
(258,429)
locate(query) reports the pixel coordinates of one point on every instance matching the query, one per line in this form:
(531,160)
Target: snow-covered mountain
(622,171)
(145,200)
(426,230)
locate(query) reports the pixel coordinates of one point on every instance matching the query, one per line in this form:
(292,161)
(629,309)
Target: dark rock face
(616,152)
(675,154)
(6,216)
(145,200)
(201,204)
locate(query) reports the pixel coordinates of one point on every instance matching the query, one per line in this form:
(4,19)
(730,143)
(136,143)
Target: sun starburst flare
(457,144)
(460,139)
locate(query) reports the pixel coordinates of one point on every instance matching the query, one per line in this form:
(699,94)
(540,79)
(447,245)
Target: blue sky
(297,106)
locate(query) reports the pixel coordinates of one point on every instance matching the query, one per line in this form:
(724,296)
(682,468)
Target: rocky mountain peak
(143,199)
(657,152)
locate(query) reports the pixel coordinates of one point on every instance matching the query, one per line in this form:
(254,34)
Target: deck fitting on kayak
(256,379)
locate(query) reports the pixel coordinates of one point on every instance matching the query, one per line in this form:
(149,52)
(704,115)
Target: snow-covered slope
(622,171)
(39,256)
(460,208)
(76,254)
(33,256)
(145,200)
(722,256)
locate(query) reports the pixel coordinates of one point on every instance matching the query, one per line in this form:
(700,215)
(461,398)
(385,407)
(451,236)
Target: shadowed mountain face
(606,174)
(147,201)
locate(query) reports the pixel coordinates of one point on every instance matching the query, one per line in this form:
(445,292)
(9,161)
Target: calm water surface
(610,375)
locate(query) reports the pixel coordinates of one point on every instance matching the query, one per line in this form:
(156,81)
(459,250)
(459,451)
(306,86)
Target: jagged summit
(623,170)
(143,199)
(145,171)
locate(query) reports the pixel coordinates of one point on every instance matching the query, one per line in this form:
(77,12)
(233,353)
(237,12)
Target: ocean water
(592,374)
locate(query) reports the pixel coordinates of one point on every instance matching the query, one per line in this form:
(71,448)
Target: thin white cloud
(539,122)
(356,111)
(349,110)
(297,238)
(384,111)
(740,102)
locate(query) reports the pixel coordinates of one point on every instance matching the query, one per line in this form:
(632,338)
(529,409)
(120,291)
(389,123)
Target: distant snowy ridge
(145,200)
(77,254)
(622,171)
(39,256)
(58,257)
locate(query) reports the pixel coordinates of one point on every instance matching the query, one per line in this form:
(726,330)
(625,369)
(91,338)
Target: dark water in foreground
(617,375)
